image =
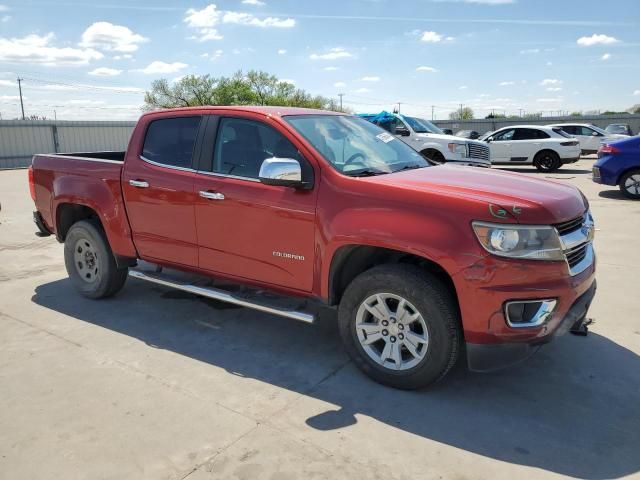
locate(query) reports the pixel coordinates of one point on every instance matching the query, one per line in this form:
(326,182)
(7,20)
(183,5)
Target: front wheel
(630,184)
(547,161)
(90,262)
(400,326)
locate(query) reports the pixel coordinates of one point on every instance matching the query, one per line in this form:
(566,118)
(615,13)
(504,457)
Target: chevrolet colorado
(424,263)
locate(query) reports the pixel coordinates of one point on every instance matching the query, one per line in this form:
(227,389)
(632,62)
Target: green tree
(254,88)
(465,113)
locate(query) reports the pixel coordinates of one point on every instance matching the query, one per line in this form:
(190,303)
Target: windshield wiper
(365,173)
(410,167)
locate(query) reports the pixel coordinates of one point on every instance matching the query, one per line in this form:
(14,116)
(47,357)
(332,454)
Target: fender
(102,195)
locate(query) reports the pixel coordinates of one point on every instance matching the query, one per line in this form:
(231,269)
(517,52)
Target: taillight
(32,185)
(573,143)
(608,149)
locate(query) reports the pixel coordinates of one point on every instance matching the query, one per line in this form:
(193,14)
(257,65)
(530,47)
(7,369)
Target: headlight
(514,241)
(459,148)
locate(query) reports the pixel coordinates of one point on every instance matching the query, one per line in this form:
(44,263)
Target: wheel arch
(349,261)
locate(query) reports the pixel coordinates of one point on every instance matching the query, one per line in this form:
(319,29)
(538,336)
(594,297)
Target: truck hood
(525,199)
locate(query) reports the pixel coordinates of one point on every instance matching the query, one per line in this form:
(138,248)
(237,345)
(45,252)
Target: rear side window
(529,134)
(170,141)
(242,145)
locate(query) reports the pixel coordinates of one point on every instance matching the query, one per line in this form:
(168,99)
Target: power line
(83,86)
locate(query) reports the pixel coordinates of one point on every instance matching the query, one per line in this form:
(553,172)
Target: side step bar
(223,296)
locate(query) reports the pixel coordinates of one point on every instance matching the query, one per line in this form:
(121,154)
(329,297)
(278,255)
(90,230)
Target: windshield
(616,129)
(355,146)
(421,125)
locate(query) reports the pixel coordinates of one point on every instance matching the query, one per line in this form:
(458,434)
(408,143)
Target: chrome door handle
(139,183)
(211,195)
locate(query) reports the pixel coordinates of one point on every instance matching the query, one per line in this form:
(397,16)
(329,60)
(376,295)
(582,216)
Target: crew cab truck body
(431,142)
(421,261)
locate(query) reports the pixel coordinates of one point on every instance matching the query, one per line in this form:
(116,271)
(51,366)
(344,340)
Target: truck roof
(265,110)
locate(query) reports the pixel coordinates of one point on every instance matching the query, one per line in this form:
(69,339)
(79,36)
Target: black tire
(434,157)
(434,302)
(547,161)
(90,262)
(634,191)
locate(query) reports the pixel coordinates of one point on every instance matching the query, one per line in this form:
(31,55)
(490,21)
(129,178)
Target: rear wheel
(400,326)
(90,262)
(547,161)
(630,184)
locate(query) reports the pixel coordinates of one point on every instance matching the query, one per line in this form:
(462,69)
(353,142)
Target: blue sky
(93,60)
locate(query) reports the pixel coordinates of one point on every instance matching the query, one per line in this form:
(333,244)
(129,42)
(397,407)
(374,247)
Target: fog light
(528,313)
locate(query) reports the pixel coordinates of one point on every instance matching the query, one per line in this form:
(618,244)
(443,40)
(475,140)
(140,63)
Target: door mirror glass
(284,172)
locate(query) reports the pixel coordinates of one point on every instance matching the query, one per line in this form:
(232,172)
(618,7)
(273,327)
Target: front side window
(242,145)
(354,146)
(589,131)
(170,141)
(505,135)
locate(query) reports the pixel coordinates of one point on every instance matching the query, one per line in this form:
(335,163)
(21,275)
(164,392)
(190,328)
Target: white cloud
(596,39)
(256,3)
(241,18)
(287,80)
(163,67)
(363,90)
(330,69)
(431,37)
(550,100)
(105,72)
(5,18)
(506,84)
(605,57)
(426,69)
(125,56)
(332,54)
(109,37)
(462,87)
(551,82)
(339,84)
(7,83)
(636,93)
(491,2)
(36,49)
(282,51)
(206,20)
(4,8)
(530,51)
(370,79)
(86,102)
(213,56)
(554,89)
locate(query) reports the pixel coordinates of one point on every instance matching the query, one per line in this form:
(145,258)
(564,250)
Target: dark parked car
(470,134)
(620,129)
(619,164)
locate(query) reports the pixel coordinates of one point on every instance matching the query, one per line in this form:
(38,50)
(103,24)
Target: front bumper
(488,357)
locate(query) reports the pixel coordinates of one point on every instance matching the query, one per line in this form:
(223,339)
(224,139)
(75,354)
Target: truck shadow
(573,409)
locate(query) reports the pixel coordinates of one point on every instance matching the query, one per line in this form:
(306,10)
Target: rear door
(501,145)
(157,184)
(526,143)
(246,229)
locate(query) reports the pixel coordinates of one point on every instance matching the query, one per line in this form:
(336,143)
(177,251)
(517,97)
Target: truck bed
(108,155)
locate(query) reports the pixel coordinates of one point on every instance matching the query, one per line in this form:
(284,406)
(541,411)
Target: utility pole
(399,107)
(341,95)
(433,112)
(55,115)
(20,89)
(520,110)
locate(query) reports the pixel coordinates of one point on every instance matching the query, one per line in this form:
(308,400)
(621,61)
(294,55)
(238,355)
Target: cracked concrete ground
(155,385)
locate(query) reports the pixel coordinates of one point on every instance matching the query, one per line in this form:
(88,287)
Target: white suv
(589,136)
(545,147)
(427,139)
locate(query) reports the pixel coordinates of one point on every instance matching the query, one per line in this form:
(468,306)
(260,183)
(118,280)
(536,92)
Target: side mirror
(403,132)
(595,134)
(489,139)
(284,172)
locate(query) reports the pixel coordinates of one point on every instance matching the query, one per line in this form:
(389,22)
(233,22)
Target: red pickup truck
(423,263)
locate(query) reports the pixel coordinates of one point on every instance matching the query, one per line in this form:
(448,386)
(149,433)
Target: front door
(500,146)
(247,229)
(157,184)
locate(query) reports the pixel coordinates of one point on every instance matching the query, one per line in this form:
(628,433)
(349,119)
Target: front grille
(478,151)
(576,255)
(570,226)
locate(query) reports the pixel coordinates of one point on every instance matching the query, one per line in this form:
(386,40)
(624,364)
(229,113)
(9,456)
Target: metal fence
(21,139)
(490,125)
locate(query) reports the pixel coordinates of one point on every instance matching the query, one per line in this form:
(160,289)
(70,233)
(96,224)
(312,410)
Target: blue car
(619,164)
